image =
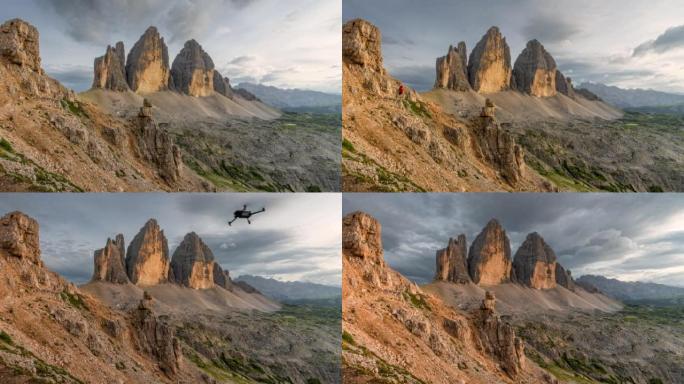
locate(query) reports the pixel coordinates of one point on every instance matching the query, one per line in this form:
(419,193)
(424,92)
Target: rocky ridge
(489,69)
(488,262)
(394,330)
(147,70)
(147,263)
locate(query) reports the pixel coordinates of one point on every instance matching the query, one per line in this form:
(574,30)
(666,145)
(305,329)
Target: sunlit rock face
(489,66)
(489,260)
(147,67)
(147,258)
(535,263)
(535,71)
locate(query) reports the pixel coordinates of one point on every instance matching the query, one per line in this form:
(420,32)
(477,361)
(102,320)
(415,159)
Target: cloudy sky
(626,236)
(627,43)
(288,44)
(297,238)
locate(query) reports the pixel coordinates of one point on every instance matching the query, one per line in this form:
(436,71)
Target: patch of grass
(417,300)
(418,108)
(348,338)
(347,145)
(313,380)
(73,107)
(313,189)
(655,189)
(5,338)
(74,300)
(6,145)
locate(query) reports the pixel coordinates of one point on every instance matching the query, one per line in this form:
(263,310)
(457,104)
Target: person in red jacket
(401,90)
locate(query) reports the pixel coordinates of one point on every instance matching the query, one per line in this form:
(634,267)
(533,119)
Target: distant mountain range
(632,291)
(633,98)
(291,291)
(295,100)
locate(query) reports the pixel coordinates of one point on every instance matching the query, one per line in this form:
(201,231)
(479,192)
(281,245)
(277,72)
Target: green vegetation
(348,338)
(418,108)
(348,146)
(236,370)
(310,121)
(313,188)
(672,315)
(384,180)
(309,315)
(417,300)
(6,145)
(5,338)
(75,300)
(74,107)
(386,372)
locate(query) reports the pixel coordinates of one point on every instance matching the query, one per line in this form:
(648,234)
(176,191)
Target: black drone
(244,214)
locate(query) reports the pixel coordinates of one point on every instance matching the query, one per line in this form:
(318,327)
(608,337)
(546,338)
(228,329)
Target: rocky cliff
(452,261)
(156,338)
(193,71)
(452,69)
(395,332)
(564,85)
(147,66)
(564,278)
(489,66)
(156,146)
(193,263)
(147,258)
(489,259)
(20,45)
(535,263)
(110,263)
(110,69)
(535,71)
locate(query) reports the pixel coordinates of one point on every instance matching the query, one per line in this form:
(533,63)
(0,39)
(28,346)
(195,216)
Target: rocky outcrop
(110,69)
(193,263)
(489,258)
(193,71)
(498,337)
(587,94)
(147,258)
(452,262)
(147,66)
(20,44)
(452,69)
(221,277)
(497,147)
(564,85)
(155,338)
(222,85)
(110,262)
(489,66)
(362,237)
(19,237)
(535,71)
(535,263)
(564,278)
(362,45)
(246,287)
(156,146)
(245,94)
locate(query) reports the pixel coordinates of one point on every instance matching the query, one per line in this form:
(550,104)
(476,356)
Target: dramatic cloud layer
(293,44)
(627,43)
(297,238)
(630,237)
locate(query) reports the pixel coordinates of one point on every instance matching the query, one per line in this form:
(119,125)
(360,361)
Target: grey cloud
(549,28)
(670,39)
(76,78)
(583,228)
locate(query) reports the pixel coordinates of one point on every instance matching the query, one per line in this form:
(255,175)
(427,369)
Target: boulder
(564,278)
(535,71)
(147,66)
(489,66)
(193,71)
(452,70)
(564,85)
(19,237)
(110,69)
(362,237)
(489,259)
(110,263)
(20,44)
(498,338)
(362,45)
(147,258)
(193,263)
(156,146)
(535,263)
(452,262)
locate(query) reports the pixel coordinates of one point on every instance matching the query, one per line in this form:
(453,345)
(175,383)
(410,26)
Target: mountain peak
(147,258)
(489,259)
(489,66)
